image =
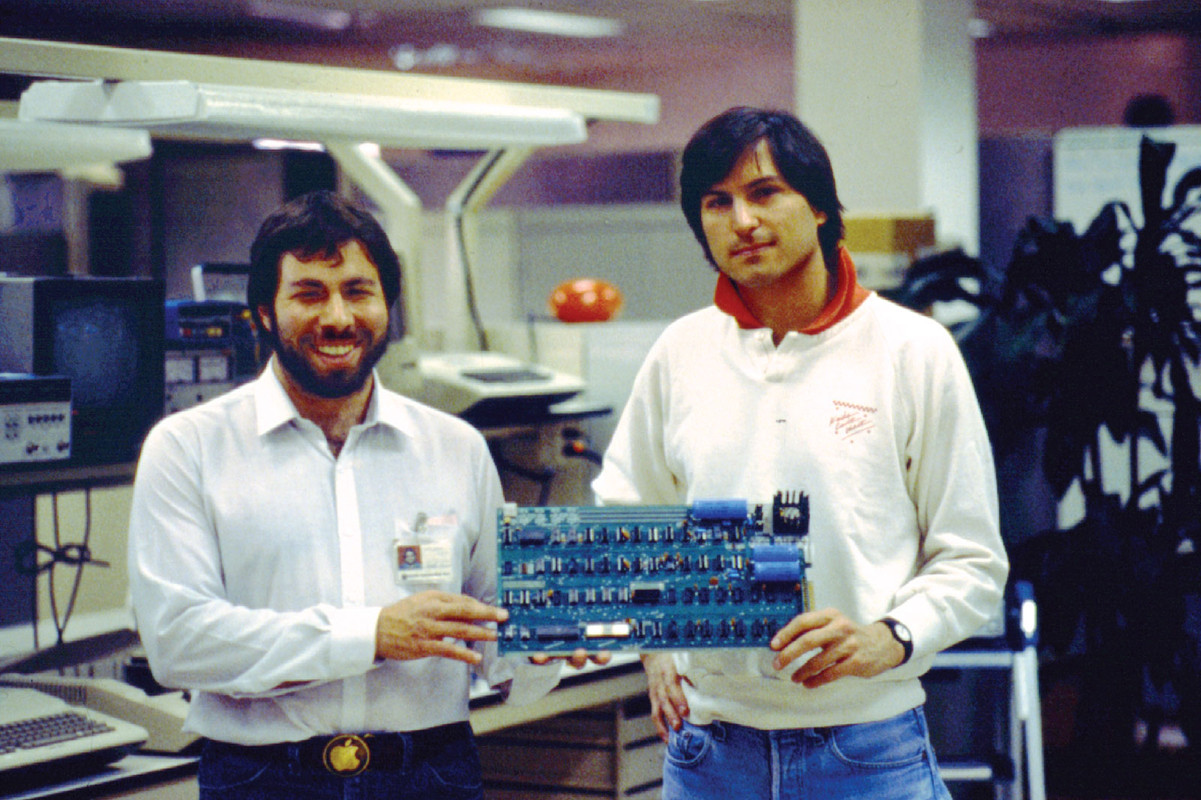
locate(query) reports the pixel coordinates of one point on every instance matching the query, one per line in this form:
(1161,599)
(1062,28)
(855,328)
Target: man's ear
(265,317)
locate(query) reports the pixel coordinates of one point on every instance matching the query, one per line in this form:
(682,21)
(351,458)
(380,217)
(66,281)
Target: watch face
(899,631)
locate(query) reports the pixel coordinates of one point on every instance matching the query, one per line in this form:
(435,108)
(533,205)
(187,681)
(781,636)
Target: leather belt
(349,754)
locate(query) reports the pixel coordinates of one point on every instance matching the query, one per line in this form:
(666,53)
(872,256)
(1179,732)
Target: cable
(30,561)
(543,477)
(468,282)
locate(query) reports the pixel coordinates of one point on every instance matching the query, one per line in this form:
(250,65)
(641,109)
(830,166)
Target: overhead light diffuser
(244,113)
(549,22)
(49,147)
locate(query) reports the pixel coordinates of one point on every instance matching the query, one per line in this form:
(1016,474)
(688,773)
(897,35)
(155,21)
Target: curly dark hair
(313,225)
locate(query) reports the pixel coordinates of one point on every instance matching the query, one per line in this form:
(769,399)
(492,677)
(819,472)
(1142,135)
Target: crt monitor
(106,335)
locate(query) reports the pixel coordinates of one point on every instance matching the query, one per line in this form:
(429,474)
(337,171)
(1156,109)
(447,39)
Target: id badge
(425,552)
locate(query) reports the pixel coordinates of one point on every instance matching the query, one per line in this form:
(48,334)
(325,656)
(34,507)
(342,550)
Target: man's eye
(716,203)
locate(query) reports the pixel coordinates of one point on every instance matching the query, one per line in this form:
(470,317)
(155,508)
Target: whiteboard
(1095,166)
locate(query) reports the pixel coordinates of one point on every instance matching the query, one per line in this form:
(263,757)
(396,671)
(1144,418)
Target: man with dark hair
(268,537)
(798,379)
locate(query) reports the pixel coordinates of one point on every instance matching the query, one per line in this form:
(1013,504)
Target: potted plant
(1089,345)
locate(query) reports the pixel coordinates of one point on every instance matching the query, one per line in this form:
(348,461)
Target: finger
(662,714)
(799,625)
(828,665)
(829,635)
(660,725)
(672,705)
(446,649)
(794,652)
(829,675)
(578,659)
(810,669)
(670,714)
(679,704)
(459,630)
(467,609)
(787,634)
(602,658)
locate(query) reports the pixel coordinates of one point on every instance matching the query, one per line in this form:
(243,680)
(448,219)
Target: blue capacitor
(734,510)
(774,552)
(776,571)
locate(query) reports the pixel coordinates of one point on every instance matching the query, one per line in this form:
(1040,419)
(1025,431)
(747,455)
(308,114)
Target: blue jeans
(888,760)
(232,773)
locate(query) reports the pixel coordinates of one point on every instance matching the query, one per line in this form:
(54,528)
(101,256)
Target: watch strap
(901,633)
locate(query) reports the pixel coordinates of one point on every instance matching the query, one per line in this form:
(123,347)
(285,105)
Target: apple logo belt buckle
(346,755)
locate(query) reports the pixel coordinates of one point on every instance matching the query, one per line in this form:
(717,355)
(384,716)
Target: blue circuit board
(718,573)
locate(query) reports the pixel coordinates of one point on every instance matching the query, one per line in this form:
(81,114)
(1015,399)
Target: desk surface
(591,686)
(136,769)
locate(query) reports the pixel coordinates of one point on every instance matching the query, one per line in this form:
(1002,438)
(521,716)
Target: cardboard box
(889,234)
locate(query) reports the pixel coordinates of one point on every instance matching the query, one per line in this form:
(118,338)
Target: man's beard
(330,386)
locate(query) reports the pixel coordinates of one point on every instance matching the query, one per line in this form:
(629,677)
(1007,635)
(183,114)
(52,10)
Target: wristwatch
(902,635)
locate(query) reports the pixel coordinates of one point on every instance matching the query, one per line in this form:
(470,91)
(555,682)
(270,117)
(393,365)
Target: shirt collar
(274,408)
(847,297)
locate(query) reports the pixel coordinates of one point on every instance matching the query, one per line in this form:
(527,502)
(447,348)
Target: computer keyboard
(38,731)
(162,715)
(48,730)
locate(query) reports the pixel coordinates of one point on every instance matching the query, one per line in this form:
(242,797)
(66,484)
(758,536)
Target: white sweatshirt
(876,420)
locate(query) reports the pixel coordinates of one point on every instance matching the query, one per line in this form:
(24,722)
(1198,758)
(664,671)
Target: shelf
(49,478)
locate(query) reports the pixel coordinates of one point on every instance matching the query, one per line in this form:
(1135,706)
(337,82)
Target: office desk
(143,775)
(164,777)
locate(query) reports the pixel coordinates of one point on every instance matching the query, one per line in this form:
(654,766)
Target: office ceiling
(440,36)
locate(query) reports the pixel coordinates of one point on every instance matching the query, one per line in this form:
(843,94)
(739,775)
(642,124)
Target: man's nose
(742,216)
(336,313)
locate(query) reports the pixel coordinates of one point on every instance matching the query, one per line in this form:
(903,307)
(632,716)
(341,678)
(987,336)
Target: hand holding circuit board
(716,574)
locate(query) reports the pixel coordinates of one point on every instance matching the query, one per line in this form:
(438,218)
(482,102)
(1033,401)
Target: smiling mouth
(336,353)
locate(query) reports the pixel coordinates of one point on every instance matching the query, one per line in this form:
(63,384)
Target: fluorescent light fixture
(326,19)
(553,23)
(246,113)
(288,144)
(49,147)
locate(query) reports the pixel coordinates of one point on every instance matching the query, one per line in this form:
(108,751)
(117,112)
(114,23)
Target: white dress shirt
(259,563)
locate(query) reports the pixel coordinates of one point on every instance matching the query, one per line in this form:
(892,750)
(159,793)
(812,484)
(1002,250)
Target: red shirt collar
(847,297)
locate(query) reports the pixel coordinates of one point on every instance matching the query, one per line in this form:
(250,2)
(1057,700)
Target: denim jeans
(889,760)
(451,773)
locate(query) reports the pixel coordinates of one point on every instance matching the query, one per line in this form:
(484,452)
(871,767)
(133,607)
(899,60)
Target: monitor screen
(106,335)
(94,340)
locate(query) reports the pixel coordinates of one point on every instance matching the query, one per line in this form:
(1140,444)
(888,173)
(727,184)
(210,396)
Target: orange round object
(585,300)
